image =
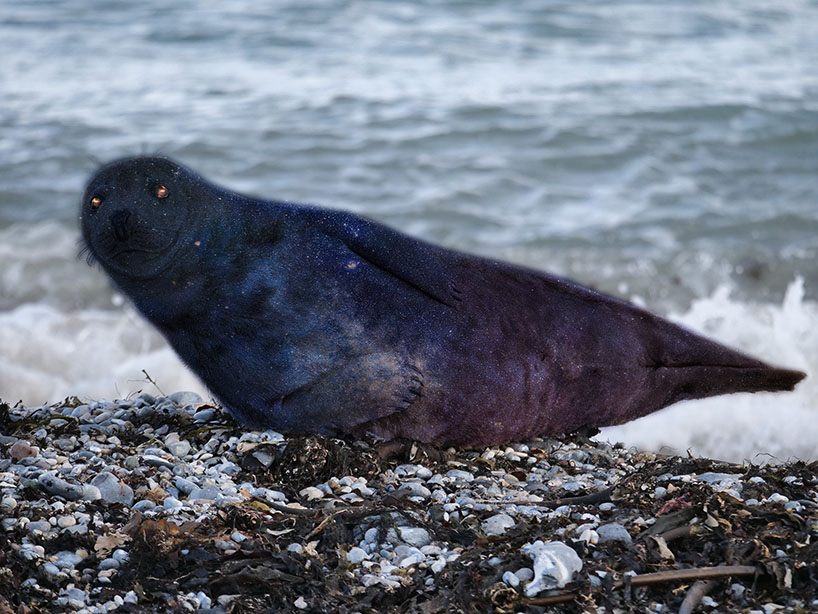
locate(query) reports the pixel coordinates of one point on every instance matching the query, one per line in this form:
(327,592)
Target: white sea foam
(760,427)
(49,355)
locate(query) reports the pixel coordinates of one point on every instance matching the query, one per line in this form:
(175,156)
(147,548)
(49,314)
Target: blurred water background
(664,152)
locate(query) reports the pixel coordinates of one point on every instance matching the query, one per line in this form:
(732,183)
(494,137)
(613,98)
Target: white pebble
(311,493)
(356,555)
(555,565)
(497,524)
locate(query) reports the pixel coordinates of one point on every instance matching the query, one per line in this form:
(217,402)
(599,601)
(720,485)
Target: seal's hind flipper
(360,390)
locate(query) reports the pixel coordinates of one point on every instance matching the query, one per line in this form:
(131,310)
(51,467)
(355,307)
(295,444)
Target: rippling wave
(657,151)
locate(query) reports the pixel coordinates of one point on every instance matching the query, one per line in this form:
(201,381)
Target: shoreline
(166,505)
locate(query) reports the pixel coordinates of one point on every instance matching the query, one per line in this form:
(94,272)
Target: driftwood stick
(696,573)
(695,595)
(672,575)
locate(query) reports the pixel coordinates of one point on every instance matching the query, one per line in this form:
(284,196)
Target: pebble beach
(163,504)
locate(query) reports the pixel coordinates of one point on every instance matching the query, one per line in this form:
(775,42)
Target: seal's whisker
(84,251)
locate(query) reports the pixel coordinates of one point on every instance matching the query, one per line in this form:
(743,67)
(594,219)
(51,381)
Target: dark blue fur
(318,321)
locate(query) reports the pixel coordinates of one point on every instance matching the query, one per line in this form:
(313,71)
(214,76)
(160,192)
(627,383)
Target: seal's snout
(119,224)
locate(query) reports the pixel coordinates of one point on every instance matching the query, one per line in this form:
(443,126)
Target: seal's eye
(162,192)
(96,201)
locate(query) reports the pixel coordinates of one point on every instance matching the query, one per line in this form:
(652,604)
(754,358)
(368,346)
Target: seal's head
(136,214)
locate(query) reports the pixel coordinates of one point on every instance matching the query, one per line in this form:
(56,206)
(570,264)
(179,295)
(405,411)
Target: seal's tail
(696,382)
(698,367)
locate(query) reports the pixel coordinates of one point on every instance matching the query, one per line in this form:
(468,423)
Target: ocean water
(663,152)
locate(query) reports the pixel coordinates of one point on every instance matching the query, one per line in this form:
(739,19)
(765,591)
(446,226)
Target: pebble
(776,498)
(66,521)
(51,569)
(737,590)
(7,504)
(511,579)
(171,503)
(204,415)
(497,524)
(371,535)
(185,397)
(145,505)
(22,449)
(311,493)
(356,555)
(208,493)
(179,448)
(43,526)
(414,536)
(188,476)
(413,489)
(524,574)
(204,601)
(112,489)
(555,565)
(613,532)
(184,486)
(156,461)
(458,475)
(59,487)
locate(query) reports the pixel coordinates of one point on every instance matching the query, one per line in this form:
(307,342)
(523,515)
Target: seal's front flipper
(421,265)
(360,390)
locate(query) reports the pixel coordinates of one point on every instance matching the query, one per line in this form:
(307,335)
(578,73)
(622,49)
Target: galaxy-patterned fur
(310,320)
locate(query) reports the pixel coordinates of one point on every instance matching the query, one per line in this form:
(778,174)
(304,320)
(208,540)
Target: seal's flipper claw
(361,390)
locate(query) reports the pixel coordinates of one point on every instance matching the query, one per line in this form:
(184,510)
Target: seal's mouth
(134,251)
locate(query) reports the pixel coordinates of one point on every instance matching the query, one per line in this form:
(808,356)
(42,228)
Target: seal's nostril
(119,223)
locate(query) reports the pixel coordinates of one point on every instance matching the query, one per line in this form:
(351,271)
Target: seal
(311,320)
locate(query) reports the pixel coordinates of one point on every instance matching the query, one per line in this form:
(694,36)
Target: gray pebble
(179,448)
(613,532)
(524,574)
(204,415)
(458,475)
(209,493)
(112,489)
(156,461)
(172,503)
(184,485)
(146,505)
(511,579)
(413,489)
(185,398)
(38,525)
(414,536)
(51,569)
(59,487)
(109,563)
(371,535)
